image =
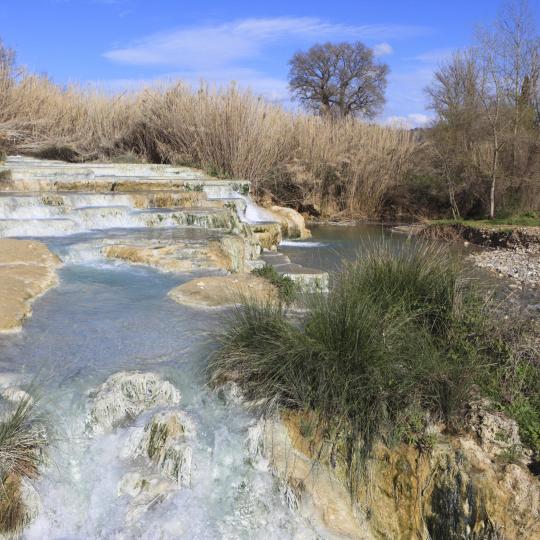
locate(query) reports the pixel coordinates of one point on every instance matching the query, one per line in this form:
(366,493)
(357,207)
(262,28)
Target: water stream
(108,318)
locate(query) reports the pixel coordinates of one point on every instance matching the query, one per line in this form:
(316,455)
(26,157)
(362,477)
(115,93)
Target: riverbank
(27,270)
(511,251)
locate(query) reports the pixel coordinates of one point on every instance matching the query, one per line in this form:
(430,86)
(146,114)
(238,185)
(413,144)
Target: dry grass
(22,444)
(339,166)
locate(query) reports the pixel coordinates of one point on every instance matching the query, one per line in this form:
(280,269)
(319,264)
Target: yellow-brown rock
(292,222)
(457,489)
(27,270)
(229,253)
(161,257)
(221,291)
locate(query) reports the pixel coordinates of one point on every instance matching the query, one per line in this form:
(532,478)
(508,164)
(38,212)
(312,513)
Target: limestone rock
(268,235)
(229,252)
(460,488)
(146,493)
(223,291)
(165,442)
(125,395)
(497,434)
(16,395)
(319,496)
(292,222)
(27,270)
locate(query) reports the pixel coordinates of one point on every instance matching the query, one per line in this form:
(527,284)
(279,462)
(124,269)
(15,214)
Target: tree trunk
(493,175)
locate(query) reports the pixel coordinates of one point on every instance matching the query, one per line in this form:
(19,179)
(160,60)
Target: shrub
(402,337)
(22,444)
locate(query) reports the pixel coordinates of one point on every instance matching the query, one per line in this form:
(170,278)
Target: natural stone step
(309,279)
(27,174)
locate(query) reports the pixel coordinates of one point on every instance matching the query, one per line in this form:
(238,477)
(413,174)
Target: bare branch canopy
(339,79)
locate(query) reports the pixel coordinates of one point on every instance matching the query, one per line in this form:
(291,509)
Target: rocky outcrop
(229,252)
(125,395)
(165,442)
(267,235)
(471,486)
(165,445)
(27,270)
(292,222)
(223,291)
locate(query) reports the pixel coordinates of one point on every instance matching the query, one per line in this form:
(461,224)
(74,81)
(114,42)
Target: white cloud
(435,56)
(272,89)
(382,49)
(225,43)
(409,121)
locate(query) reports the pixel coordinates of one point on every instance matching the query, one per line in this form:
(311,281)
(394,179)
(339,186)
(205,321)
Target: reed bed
(342,166)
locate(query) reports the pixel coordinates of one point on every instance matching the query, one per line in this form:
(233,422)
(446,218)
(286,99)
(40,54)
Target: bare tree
(341,79)
(454,96)
(486,99)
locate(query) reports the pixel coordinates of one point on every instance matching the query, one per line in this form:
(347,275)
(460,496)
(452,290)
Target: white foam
(297,243)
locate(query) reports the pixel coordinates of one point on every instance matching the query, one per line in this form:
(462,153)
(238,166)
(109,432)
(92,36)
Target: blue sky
(124,43)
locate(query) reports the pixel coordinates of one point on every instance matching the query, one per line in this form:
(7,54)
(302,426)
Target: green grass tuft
(287,288)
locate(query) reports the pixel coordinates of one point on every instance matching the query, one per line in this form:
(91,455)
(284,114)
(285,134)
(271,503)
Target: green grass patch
(528,219)
(403,338)
(286,287)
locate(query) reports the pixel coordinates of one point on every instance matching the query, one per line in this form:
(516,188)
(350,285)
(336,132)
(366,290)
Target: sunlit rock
(16,395)
(145,491)
(125,395)
(462,487)
(497,434)
(292,222)
(222,291)
(27,270)
(165,442)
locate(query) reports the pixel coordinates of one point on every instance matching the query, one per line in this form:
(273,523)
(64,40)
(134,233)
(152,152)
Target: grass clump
(525,219)
(401,339)
(22,445)
(286,287)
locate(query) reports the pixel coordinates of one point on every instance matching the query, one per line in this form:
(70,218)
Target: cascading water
(108,317)
(102,321)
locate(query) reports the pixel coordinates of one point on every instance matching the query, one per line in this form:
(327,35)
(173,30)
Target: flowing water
(108,318)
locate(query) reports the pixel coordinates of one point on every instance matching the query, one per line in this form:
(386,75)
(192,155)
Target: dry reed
(337,166)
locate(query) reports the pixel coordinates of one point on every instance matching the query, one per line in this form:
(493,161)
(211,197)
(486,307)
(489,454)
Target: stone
(496,433)
(16,395)
(229,252)
(520,264)
(292,222)
(461,488)
(318,495)
(223,291)
(125,395)
(27,270)
(165,442)
(145,492)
